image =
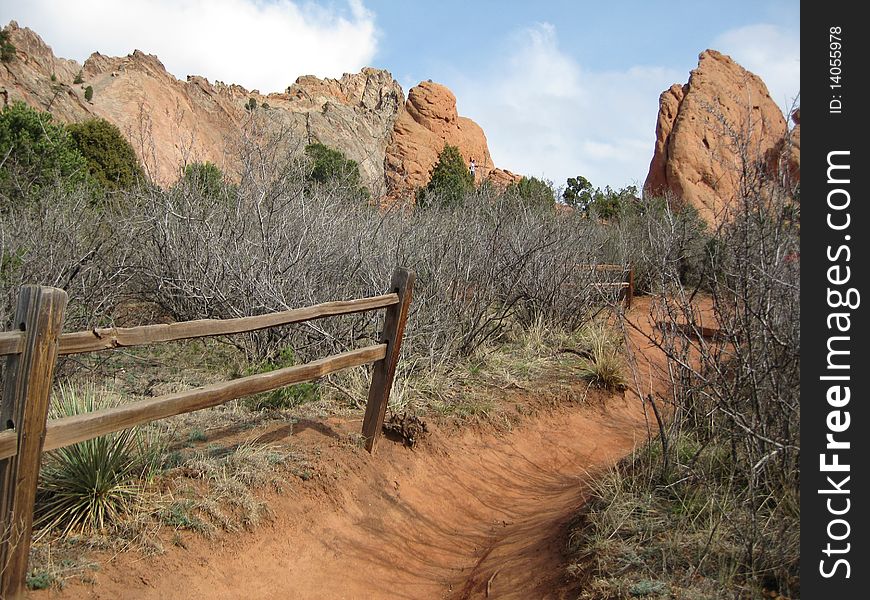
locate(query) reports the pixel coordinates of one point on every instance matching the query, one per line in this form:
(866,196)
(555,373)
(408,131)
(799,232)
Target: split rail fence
(624,287)
(32,351)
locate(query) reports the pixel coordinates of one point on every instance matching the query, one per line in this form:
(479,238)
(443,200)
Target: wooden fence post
(402,283)
(24,408)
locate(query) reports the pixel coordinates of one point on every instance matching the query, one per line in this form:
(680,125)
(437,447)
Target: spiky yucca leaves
(89,486)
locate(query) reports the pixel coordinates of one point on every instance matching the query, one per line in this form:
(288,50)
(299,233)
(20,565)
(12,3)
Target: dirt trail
(483,515)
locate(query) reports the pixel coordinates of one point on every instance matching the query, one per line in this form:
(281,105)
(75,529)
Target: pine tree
(449,182)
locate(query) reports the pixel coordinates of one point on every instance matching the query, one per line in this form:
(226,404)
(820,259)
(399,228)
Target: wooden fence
(32,352)
(625,286)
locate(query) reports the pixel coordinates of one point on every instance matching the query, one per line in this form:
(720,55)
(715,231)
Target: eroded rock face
(428,122)
(171,123)
(707,128)
(28,77)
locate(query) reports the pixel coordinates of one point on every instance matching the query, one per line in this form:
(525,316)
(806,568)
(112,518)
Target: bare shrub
(726,461)
(276,242)
(63,240)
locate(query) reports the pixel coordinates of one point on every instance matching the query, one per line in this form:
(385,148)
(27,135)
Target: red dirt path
(484,516)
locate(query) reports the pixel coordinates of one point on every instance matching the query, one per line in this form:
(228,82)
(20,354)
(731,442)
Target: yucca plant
(86,487)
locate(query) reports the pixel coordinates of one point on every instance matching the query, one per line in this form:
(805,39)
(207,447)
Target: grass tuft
(604,365)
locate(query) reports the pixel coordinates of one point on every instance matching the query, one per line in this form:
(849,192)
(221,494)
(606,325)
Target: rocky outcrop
(28,77)
(428,122)
(171,123)
(354,114)
(709,129)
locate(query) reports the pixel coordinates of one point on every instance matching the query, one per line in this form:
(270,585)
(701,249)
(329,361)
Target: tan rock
(502,177)
(708,129)
(669,106)
(171,123)
(28,77)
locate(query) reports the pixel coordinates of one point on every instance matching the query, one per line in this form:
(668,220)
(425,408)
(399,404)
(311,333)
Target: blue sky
(561,88)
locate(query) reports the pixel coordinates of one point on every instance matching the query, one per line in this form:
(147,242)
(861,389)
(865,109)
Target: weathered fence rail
(32,351)
(625,286)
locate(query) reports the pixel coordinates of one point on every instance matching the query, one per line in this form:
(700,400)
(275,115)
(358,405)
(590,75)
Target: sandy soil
(471,515)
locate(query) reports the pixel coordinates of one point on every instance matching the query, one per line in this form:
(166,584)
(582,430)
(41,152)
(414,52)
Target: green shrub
(578,192)
(332,166)
(112,162)
(207,180)
(251,105)
(197,435)
(79,78)
(89,93)
(449,182)
(531,190)
(89,486)
(41,580)
(607,203)
(285,397)
(37,152)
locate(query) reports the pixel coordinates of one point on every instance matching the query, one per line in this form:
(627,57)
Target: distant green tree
(450,181)
(252,104)
(578,192)
(601,203)
(89,93)
(35,152)
(332,166)
(80,77)
(111,159)
(531,190)
(610,204)
(206,179)
(7,48)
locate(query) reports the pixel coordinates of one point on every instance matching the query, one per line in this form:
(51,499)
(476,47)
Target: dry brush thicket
(274,240)
(710,508)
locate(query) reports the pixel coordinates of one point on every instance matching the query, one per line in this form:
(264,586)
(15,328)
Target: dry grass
(679,538)
(603,365)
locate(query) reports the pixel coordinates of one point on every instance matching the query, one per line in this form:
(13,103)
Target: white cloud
(256,43)
(547,116)
(772,53)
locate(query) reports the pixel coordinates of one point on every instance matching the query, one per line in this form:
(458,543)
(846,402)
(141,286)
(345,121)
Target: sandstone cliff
(707,128)
(171,123)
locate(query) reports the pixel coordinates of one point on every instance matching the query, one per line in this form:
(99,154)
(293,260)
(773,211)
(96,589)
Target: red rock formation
(707,128)
(793,151)
(428,122)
